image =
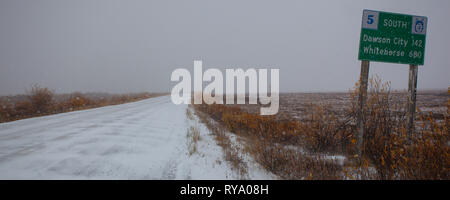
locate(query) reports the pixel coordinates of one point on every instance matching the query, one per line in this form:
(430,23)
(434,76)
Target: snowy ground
(209,160)
(140,140)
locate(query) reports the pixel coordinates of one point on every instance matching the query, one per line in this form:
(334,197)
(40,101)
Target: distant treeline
(39,101)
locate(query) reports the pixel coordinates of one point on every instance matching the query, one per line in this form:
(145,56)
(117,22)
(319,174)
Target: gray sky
(131,46)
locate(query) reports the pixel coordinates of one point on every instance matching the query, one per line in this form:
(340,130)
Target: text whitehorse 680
(257,87)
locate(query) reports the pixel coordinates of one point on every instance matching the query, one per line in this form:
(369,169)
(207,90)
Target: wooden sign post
(363,80)
(393,38)
(412,90)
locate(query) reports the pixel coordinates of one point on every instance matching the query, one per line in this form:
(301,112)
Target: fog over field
(133,46)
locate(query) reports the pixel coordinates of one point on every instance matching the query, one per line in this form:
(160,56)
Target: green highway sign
(391,37)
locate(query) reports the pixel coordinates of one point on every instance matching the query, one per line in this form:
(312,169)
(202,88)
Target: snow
(210,154)
(139,140)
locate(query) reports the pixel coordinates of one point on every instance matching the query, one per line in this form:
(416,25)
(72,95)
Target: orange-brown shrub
(325,132)
(22,108)
(290,163)
(243,123)
(396,154)
(79,101)
(388,149)
(41,99)
(267,140)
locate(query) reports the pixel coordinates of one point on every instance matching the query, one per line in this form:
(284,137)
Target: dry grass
(193,135)
(189,114)
(290,163)
(390,149)
(295,149)
(267,139)
(39,101)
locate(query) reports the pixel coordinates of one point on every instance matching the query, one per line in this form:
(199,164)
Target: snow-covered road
(140,140)
(137,140)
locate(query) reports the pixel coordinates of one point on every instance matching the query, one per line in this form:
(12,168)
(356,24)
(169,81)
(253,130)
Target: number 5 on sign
(370,19)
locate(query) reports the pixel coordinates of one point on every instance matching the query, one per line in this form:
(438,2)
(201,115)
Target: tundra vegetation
(39,101)
(193,136)
(322,145)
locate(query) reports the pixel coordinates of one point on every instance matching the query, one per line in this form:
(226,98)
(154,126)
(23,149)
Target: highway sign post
(393,38)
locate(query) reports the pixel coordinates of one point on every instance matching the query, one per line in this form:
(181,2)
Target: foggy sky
(133,46)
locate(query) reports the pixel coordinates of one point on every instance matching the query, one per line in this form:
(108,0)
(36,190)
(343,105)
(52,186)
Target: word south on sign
(392,37)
